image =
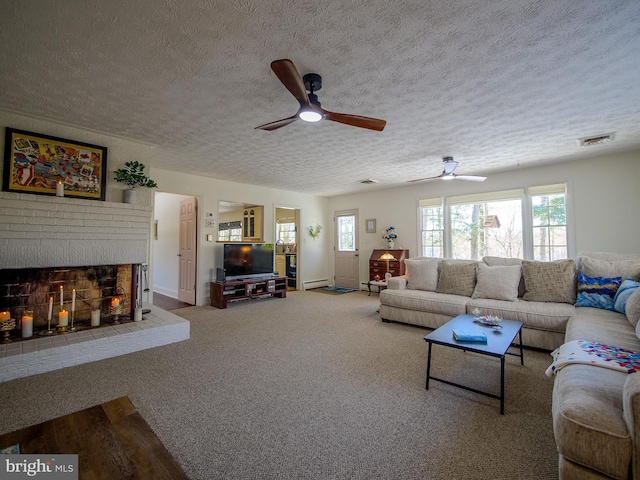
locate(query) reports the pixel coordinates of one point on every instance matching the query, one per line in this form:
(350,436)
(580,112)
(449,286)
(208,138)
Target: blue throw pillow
(627,288)
(597,292)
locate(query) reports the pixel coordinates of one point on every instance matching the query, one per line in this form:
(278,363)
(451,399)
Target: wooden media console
(223,292)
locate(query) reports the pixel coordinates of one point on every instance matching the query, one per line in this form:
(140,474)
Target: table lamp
(387,256)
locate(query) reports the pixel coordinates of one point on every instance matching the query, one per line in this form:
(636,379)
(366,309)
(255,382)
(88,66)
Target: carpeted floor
(316,387)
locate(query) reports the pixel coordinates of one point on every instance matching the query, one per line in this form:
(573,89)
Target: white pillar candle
(4,316)
(137,315)
(73,300)
(95,318)
(27,324)
(50,308)
(63,318)
(59,189)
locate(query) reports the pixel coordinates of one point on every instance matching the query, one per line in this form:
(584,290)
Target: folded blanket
(593,353)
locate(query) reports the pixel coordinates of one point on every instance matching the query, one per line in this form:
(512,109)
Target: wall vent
(597,140)
(367,181)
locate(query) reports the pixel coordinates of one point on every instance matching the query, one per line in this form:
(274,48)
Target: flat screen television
(248,260)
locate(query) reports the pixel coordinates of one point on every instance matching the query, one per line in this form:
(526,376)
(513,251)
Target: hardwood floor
(112,441)
(168,303)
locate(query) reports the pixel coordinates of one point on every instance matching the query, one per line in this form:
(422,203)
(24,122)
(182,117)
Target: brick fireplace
(91,246)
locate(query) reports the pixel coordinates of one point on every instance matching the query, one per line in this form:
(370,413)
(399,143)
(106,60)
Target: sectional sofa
(595,407)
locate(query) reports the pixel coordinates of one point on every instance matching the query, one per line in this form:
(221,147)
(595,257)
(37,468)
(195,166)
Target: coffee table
(499,340)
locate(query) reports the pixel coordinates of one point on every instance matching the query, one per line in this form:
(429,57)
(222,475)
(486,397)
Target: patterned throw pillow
(549,281)
(597,292)
(626,289)
(457,278)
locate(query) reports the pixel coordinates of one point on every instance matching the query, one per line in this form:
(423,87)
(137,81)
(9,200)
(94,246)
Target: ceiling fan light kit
(303,88)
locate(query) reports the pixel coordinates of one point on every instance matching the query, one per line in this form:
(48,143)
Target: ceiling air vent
(597,140)
(367,181)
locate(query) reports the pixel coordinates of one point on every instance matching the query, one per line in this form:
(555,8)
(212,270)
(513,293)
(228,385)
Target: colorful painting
(36,163)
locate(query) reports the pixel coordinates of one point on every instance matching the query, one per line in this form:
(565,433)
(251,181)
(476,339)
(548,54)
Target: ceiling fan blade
(288,74)
(278,123)
(425,179)
(469,178)
(355,120)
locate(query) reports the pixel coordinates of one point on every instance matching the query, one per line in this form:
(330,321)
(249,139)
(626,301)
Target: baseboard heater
(315,284)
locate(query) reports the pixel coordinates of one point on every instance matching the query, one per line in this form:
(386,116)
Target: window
(431,228)
(346,233)
(549,219)
(230,232)
(496,224)
(287,233)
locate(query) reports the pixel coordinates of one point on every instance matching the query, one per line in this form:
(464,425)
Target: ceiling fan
(448,173)
(310,109)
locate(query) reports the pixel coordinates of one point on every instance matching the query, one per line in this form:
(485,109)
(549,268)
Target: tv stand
(224,292)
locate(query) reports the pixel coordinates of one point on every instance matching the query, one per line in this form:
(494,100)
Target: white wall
(313,258)
(605,195)
(165,249)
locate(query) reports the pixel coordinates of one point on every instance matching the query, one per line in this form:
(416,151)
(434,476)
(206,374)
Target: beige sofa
(596,411)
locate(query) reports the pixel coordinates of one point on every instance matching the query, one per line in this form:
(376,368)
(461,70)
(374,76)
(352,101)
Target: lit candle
(27,324)
(59,189)
(63,318)
(61,296)
(4,316)
(115,302)
(50,307)
(73,300)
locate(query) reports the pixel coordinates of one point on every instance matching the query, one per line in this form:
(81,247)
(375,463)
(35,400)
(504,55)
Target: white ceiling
(494,83)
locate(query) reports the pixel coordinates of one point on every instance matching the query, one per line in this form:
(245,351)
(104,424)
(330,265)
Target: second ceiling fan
(449,173)
(310,109)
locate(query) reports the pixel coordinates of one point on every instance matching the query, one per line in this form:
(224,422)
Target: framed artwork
(371,225)
(36,163)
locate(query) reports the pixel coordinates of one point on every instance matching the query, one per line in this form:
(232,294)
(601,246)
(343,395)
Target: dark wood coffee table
(499,340)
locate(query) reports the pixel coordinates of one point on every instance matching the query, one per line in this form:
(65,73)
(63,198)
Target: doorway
(175,248)
(287,233)
(346,259)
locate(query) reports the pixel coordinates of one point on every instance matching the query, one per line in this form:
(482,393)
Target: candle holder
(116,311)
(5,327)
(73,314)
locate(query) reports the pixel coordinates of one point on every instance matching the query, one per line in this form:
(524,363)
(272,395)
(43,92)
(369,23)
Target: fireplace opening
(91,296)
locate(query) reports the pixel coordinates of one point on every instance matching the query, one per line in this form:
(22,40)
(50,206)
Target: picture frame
(36,163)
(370,225)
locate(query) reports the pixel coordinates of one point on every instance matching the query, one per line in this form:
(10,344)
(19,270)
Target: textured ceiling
(494,83)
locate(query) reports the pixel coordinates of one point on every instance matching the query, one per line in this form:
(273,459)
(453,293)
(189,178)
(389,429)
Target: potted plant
(133,175)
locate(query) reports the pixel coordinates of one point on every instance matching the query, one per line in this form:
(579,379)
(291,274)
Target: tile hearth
(45,354)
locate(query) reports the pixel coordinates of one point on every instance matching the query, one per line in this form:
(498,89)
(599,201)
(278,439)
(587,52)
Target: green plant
(133,175)
(314,231)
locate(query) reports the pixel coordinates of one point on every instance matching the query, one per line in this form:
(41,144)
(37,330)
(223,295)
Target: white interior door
(346,260)
(187,252)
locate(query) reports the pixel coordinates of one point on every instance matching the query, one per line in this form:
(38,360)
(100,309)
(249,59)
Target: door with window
(347,267)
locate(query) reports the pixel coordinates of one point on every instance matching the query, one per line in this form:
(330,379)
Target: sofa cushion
(424,301)
(457,278)
(549,281)
(604,326)
(499,282)
(422,273)
(597,292)
(632,308)
(595,267)
(545,316)
(502,261)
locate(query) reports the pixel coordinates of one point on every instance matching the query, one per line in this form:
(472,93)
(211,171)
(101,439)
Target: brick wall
(48,231)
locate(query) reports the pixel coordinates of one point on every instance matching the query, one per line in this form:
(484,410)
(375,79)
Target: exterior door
(347,266)
(187,252)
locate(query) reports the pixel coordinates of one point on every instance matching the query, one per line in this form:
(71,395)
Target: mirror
(240,222)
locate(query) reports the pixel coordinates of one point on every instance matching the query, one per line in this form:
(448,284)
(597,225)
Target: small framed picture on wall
(371,225)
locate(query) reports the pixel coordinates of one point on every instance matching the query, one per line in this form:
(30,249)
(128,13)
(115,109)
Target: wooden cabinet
(252,224)
(379,267)
(223,292)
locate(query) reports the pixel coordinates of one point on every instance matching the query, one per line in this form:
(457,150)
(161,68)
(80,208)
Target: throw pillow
(423,273)
(632,308)
(493,261)
(625,290)
(594,267)
(550,281)
(498,283)
(457,278)
(597,292)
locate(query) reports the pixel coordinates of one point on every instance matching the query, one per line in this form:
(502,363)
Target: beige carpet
(313,386)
